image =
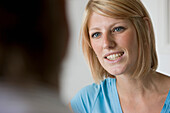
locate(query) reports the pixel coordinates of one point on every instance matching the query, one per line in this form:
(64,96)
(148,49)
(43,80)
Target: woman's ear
(148,23)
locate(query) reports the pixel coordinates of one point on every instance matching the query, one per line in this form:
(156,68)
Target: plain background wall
(76,73)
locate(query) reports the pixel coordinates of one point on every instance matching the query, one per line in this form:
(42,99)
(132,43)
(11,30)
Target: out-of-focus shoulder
(95,88)
(164,81)
(86,98)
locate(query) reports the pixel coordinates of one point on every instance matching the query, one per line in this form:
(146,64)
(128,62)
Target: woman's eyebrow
(98,27)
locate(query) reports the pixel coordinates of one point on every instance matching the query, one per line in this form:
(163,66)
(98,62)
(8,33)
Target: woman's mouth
(114,56)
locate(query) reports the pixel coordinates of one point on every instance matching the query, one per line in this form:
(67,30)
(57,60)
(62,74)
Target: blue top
(101,99)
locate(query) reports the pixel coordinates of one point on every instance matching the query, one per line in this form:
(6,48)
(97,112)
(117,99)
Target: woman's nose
(108,41)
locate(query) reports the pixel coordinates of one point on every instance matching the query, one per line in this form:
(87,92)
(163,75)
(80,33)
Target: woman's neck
(128,86)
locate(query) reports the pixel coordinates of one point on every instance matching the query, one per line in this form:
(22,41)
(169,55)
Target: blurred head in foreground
(33,41)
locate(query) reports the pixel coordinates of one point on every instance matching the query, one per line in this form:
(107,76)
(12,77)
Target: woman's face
(114,42)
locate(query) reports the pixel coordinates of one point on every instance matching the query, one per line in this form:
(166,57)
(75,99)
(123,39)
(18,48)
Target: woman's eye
(95,35)
(118,29)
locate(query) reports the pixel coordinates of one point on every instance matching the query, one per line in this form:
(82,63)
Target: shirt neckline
(166,103)
(117,106)
(120,107)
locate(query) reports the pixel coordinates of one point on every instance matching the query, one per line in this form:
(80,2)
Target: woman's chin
(116,71)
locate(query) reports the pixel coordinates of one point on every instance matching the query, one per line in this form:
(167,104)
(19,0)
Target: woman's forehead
(96,19)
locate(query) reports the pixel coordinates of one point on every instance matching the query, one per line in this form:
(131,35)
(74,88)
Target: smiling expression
(114,41)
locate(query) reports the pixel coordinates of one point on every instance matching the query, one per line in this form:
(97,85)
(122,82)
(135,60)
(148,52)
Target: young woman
(119,44)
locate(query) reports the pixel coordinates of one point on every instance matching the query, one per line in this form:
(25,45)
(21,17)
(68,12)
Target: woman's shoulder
(86,97)
(94,89)
(88,91)
(162,82)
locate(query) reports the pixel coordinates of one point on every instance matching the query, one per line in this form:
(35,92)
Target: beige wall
(159,12)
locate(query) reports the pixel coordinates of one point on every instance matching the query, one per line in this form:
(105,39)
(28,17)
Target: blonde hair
(134,11)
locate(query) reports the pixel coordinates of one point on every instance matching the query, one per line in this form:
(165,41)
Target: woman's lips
(114,56)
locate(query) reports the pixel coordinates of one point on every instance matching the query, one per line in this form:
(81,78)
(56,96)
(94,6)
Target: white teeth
(114,56)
